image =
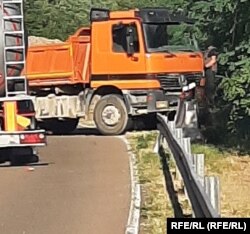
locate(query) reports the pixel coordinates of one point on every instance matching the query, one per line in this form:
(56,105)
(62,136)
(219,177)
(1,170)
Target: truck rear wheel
(110,115)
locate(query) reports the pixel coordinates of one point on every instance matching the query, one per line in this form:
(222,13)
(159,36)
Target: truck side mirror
(130,40)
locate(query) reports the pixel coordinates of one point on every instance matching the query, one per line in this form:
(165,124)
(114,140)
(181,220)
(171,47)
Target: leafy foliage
(55,18)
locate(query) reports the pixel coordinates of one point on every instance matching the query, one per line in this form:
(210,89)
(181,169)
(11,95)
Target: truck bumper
(23,139)
(145,101)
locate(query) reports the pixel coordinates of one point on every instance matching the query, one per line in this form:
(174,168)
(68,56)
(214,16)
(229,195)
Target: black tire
(150,121)
(146,122)
(22,156)
(131,124)
(59,126)
(171,115)
(4,155)
(111,129)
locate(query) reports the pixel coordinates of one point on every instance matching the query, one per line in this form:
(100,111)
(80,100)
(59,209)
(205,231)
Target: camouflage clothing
(210,75)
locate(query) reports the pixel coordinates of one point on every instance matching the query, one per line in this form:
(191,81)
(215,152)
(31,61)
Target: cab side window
(119,35)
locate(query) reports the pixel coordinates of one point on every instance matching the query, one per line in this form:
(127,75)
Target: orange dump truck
(119,68)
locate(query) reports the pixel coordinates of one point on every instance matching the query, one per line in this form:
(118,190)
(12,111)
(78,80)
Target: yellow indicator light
(23,121)
(10,122)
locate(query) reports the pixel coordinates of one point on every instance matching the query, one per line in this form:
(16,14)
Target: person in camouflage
(211,66)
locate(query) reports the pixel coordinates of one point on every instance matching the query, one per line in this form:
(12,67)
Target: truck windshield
(166,37)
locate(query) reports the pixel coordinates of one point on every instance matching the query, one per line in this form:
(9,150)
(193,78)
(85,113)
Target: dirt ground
(234,175)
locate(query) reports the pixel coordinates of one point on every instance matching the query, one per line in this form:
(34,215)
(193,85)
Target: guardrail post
(178,133)
(199,166)
(171,125)
(164,143)
(186,145)
(213,191)
(157,143)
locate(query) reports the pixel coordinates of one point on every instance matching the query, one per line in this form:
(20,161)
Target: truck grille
(175,82)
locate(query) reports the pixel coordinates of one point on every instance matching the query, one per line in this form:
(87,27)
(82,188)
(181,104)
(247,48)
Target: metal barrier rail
(197,192)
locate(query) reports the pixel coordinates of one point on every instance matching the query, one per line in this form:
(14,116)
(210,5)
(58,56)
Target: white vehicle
(18,133)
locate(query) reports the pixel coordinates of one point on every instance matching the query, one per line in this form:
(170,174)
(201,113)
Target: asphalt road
(80,186)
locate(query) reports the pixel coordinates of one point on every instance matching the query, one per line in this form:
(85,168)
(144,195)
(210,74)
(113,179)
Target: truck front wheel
(110,115)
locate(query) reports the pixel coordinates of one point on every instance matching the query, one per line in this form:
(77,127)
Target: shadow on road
(91,131)
(20,157)
(26,165)
(79,131)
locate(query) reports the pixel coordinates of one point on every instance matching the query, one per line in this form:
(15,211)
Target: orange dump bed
(62,63)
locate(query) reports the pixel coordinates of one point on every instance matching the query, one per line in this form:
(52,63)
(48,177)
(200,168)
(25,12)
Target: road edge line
(133,223)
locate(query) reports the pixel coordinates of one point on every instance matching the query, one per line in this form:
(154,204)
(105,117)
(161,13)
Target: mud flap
(187,118)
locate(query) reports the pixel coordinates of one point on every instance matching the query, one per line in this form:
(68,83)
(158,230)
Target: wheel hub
(111,115)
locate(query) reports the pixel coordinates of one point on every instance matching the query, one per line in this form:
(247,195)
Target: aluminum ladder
(16,50)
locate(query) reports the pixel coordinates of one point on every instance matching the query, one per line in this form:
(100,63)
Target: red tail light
(32,138)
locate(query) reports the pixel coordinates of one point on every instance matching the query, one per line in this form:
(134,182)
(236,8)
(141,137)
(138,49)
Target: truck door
(127,56)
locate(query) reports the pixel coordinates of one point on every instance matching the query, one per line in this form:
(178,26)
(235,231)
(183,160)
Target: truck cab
(146,44)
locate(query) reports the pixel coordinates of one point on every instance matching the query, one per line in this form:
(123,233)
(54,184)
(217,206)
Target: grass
(230,165)
(233,170)
(214,157)
(155,204)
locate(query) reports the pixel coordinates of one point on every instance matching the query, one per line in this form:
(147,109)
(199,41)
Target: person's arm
(211,62)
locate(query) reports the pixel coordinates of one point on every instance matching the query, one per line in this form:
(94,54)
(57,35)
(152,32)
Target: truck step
(15,77)
(14,2)
(14,47)
(13,32)
(10,17)
(16,92)
(14,62)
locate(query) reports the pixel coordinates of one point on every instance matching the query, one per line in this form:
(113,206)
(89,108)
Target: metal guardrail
(202,192)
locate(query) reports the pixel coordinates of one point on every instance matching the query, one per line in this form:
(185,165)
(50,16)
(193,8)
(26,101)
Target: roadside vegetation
(156,206)
(233,169)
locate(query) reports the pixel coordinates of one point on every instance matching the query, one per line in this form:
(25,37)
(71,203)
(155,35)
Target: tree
(55,19)
(226,25)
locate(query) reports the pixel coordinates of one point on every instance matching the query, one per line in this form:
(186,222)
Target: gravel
(33,40)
